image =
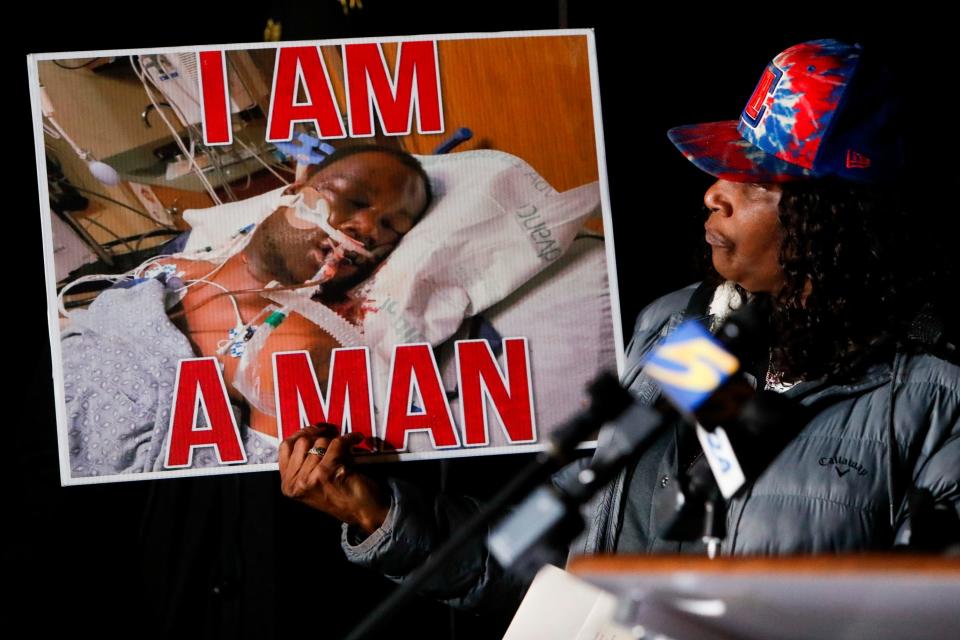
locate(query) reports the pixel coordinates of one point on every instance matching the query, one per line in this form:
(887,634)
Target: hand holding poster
(332,261)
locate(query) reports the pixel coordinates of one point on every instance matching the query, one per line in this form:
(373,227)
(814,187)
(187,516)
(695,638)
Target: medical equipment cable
(245,331)
(193,131)
(202,278)
(216,161)
(237,139)
(240,327)
(111,232)
(326,318)
(139,270)
(142,75)
(246,183)
(236,243)
(139,238)
(209,254)
(63,182)
(151,233)
(174,106)
(206,275)
(142,214)
(214,155)
(256,156)
(339,243)
(326,271)
(241,238)
(81,280)
(136,239)
(282,167)
(106,247)
(240,292)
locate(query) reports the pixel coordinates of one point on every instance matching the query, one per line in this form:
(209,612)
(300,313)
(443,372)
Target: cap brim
(720,150)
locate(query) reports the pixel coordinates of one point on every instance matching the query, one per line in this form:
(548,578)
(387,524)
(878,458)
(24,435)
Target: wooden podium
(838,596)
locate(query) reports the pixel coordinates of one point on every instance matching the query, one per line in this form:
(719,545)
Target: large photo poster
(405,237)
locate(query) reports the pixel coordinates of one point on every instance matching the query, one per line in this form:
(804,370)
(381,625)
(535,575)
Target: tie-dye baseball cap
(819,110)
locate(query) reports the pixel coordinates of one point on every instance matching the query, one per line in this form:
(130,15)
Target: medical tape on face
(319,215)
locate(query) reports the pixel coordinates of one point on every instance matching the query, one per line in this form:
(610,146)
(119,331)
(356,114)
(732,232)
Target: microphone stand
(697,510)
(765,425)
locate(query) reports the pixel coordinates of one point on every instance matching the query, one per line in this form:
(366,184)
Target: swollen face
(371,197)
(745,235)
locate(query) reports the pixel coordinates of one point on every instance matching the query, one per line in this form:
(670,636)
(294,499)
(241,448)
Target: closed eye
(399,226)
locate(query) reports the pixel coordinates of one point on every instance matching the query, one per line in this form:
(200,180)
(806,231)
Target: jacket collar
(823,388)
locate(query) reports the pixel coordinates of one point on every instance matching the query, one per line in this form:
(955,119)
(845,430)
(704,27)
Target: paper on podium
(562,607)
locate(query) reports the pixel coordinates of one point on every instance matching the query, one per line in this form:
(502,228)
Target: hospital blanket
(120,362)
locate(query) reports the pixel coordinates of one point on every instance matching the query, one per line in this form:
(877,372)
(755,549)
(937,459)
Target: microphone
(548,519)
(740,429)
(700,375)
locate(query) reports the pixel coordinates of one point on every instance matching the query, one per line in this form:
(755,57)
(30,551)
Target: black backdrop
(229,556)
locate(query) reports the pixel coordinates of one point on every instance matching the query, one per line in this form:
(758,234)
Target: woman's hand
(327,482)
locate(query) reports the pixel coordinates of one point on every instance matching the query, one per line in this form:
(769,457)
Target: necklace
(773,382)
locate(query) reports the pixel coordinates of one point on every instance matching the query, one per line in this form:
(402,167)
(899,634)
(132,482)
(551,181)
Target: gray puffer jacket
(839,486)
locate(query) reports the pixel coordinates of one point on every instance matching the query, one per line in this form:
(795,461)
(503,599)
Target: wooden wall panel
(528,96)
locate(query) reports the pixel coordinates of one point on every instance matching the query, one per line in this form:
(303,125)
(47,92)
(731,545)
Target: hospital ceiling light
(100,170)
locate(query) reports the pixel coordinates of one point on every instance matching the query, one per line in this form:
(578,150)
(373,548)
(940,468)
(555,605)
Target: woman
(802,214)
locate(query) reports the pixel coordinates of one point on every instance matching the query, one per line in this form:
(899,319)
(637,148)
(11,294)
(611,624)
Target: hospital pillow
(565,314)
(214,226)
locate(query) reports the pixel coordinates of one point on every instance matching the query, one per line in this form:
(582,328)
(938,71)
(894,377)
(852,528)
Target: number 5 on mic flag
(690,365)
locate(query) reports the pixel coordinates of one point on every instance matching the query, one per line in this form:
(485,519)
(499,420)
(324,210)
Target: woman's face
(744,234)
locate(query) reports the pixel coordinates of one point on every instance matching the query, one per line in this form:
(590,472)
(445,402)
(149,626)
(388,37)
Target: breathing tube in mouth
(340,243)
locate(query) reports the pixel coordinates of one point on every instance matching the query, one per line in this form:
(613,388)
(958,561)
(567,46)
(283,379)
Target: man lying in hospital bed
(238,293)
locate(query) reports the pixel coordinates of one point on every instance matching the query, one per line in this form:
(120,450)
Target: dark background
(229,556)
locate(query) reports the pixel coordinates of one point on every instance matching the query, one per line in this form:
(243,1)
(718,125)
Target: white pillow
(214,226)
(565,314)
